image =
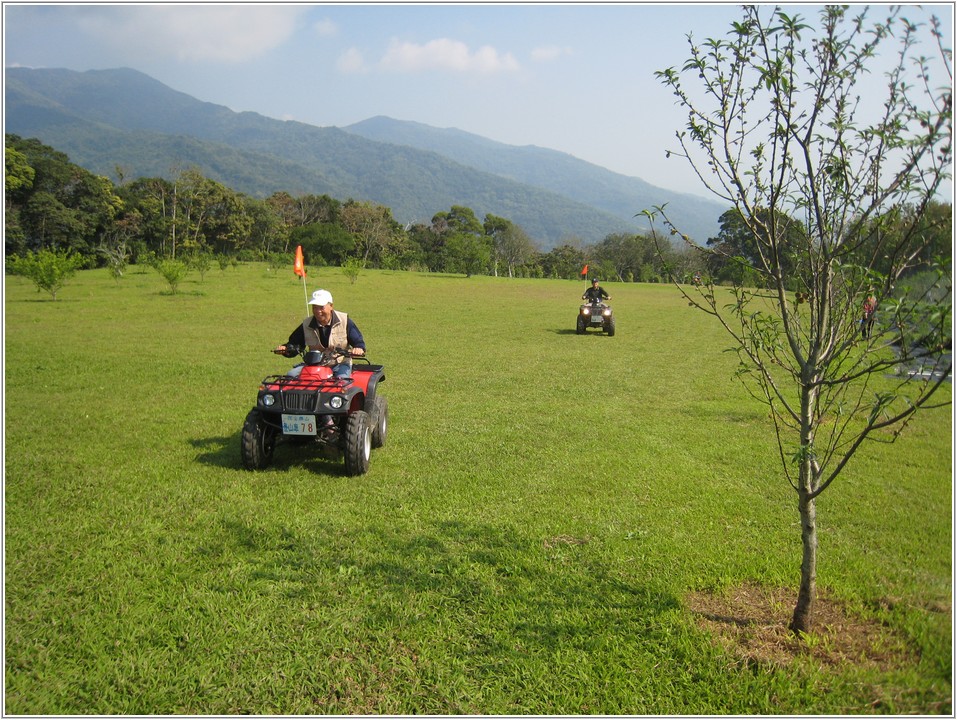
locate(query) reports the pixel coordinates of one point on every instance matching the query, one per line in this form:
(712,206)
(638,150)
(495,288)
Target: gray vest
(338,338)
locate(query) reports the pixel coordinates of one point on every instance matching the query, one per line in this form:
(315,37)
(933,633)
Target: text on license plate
(298,424)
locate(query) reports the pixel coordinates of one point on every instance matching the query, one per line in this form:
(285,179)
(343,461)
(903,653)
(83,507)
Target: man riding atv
(327,329)
(595,293)
(595,312)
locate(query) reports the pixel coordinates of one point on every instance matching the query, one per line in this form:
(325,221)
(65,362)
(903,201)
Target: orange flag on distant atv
(297,266)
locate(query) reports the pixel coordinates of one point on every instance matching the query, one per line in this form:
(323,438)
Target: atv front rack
(285,383)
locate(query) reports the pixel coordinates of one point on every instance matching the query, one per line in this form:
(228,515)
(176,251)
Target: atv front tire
(610,327)
(580,327)
(357,443)
(380,419)
(258,441)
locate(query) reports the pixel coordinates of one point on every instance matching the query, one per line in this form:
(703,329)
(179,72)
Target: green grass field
(524,544)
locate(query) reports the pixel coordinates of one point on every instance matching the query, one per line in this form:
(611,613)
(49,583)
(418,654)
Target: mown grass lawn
(526,542)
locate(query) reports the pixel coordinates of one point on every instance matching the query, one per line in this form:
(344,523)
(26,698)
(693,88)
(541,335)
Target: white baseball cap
(321,297)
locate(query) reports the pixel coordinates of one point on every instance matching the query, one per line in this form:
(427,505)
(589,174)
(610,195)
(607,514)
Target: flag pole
(305,293)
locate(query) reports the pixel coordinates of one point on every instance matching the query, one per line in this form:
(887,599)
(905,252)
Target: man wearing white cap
(327,329)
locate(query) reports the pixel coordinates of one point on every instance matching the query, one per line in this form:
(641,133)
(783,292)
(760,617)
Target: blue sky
(576,78)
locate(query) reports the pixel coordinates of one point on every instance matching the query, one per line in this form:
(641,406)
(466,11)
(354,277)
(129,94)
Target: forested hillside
(550,170)
(115,122)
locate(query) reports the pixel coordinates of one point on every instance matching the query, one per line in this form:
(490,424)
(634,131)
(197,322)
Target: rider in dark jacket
(595,293)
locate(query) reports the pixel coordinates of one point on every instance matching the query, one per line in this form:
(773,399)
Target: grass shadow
(184,293)
(572,331)
(224,452)
(42,299)
(220,451)
(445,276)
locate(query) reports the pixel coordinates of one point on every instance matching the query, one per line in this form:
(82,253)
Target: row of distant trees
(53,204)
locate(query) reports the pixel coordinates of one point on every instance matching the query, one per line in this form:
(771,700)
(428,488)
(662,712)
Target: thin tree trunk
(801,619)
(174,222)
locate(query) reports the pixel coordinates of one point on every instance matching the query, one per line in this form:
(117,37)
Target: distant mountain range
(113,121)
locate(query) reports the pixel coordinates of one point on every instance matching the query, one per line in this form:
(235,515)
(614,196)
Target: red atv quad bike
(344,416)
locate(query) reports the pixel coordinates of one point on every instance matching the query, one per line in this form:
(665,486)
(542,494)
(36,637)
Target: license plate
(298,424)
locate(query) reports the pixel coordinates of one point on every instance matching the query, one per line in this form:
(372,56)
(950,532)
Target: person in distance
(595,293)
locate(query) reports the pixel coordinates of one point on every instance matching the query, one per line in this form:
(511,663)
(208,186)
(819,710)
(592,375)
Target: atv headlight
(336,401)
(269,400)
(606,313)
(585,311)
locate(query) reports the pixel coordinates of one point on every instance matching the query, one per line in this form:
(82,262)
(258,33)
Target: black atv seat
(367,368)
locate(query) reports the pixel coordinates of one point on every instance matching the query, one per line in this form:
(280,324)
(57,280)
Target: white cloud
(445,54)
(325,27)
(219,33)
(351,62)
(548,53)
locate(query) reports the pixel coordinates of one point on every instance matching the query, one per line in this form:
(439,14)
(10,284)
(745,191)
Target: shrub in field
(173,272)
(48,269)
(351,269)
(116,258)
(201,262)
(278,262)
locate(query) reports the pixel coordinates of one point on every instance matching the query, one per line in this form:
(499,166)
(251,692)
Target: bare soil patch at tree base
(751,623)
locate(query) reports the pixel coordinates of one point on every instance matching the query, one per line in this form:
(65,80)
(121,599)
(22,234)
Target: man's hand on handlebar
(289,351)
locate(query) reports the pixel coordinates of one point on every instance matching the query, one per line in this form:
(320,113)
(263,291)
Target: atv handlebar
(291,351)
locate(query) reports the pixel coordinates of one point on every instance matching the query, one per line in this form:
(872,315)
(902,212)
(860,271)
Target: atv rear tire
(358,443)
(380,419)
(258,441)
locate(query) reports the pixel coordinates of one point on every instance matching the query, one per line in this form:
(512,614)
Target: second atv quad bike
(595,314)
(344,416)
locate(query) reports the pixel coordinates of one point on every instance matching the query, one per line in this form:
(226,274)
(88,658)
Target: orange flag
(584,271)
(297,266)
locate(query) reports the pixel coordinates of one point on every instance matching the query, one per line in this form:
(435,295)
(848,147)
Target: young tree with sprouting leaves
(833,185)
(47,269)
